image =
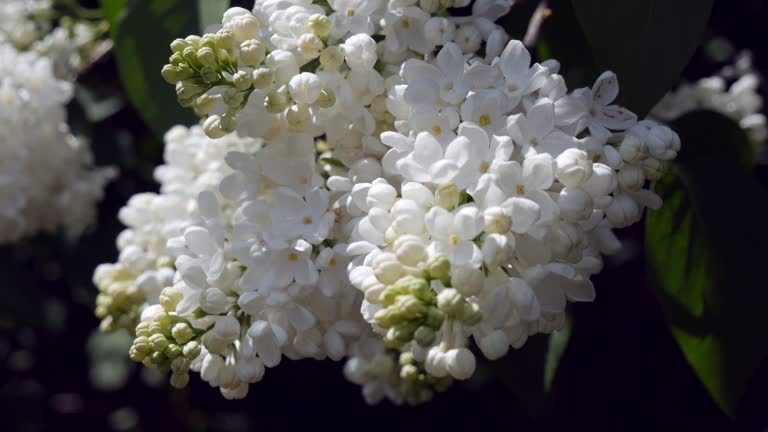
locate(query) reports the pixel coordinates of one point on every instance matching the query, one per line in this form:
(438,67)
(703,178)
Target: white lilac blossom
(414,197)
(47,179)
(193,163)
(732,91)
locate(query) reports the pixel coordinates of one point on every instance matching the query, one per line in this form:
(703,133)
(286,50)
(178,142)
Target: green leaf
(706,248)
(142,31)
(647,43)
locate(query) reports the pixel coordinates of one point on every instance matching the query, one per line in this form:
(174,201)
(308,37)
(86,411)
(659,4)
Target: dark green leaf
(646,42)
(142,31)
(706,249)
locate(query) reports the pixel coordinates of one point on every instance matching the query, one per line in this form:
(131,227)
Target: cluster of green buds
(200,63)
(119,300)
(413,311)
(167,342)
(242,69)
(417,385)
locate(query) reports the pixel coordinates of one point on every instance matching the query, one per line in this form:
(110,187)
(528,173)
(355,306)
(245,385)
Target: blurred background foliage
(676,337)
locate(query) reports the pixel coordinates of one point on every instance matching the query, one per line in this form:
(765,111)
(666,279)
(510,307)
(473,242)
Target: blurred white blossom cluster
(422,194)
(28,25)
(733,91)
(47,179)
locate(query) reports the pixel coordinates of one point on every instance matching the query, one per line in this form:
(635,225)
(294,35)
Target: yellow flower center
(332,262)
(437,130)
(307,220)
(520,190)
(350,12)
(293,256)
(534,142)
(512,88)
(484,120)
(405,23)
(454,239)
(484,167)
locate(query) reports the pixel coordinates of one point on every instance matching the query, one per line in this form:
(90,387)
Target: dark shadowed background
(622,370)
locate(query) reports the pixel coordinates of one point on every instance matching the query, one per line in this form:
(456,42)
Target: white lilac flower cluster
(421,185)
(47,179)
(733,91)
(28,25)
(193,163)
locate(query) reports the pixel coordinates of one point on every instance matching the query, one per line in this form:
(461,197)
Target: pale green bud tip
(141,344)
(225,39)
(439,267)
(447,196)
(228,123)
(409,373)
(242,80)
(207,56)
(212,127)
(179,380)
(158,342)
(276,102)
(180,364)
(191,350)
(172,351)
(179,45)
(424,336)
(327,98)
(450,301)
(169,74)
(182,333)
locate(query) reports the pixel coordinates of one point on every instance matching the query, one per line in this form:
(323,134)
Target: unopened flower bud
(169,74)
(496,220)
(225,39)
(244,27)
(468,281)
(242,80)
(169,298)
(207,57)
(327,98)
(205,103)
(439,267)
(212,127)
(332,57)
(178,45)
(424,336)
(632,149)
(320,25)
(410,250)
(298,116)
(276,102)
(387,268)
(179,380)
(191,350)
(263,78)
(447,196)
(575,204)
(158,342)
(460,363)
(182,333)
(631,177)
(310,46)
(450,301)
(573,167)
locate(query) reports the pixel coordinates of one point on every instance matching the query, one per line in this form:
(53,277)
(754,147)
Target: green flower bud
(163,322)
(178,45)
(208,40)
(327,98)
(233,98)
(276,102)
(385,318)
(209,74)
(228,123)
(191,350)
(142,329)
(242,80)
(180,364)
(137,356)
(447,196)
(176,59)
(182,333)
(193,41)
(190,55)
(172,351)
(439,267)
(169,298)
(424,336)
(225,39)
(470,314)
(147,362)
(207,56)
(406,358)
(169,74)
(410,307)
(409,373)
(212,127)
(434,318)
(179,380)
(157,357)
(158,342)
(450,301)
(205,103)
(141,344)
